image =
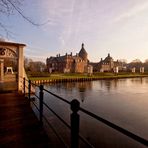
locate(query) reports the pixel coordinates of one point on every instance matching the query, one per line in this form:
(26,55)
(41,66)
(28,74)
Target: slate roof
(108,59)
(82,51)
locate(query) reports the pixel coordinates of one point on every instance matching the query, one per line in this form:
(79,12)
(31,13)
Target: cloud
(36,58)
(132,12)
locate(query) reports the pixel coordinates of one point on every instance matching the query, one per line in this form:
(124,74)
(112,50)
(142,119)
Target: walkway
(19,126)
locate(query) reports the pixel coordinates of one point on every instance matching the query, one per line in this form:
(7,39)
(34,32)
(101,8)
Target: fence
(74,117)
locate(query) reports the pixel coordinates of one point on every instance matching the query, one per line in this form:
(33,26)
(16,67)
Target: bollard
(41,103)
(24,85)
(75,124)
(29,89)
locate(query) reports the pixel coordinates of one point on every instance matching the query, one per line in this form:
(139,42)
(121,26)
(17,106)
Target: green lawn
(96,75)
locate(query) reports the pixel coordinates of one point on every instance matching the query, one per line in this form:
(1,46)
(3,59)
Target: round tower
(83,53)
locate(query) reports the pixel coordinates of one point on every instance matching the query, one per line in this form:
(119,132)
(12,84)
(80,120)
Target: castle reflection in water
(82,87)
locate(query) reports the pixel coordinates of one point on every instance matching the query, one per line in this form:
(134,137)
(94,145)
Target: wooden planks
(18,125)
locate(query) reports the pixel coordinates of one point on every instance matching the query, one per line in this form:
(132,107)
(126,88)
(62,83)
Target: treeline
(137,64)
(34,66)
(39,66)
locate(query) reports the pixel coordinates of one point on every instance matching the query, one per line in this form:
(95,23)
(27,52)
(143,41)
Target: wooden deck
(19,126)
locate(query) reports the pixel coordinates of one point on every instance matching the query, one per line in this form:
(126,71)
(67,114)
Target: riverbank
(53,78)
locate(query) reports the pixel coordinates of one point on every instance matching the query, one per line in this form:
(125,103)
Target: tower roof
(108,58)
(83,51)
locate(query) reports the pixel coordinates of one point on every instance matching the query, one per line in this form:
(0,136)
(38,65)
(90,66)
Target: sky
(118,27)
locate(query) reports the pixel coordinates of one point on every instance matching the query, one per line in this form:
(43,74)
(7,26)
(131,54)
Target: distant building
(133,70)
(108,65)
(69,63)
(141,69)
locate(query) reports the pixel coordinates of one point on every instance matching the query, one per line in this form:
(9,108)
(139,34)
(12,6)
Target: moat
(121,101)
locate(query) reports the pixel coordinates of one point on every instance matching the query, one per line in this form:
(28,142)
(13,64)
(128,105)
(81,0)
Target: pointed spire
(83,52)
(82,45)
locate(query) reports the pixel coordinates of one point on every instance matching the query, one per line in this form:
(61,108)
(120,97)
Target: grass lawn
(96,75)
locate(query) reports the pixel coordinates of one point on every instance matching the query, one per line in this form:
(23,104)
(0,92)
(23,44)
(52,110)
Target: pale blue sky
(118,27)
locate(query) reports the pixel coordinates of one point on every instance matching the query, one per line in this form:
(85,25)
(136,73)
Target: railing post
(41,104)
(24,85)
(75,124)
(29,89)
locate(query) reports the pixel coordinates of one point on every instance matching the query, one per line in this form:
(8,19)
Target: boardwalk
(18,125)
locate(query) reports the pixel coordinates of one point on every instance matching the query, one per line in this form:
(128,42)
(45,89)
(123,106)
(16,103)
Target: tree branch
(7,7)
(25,17)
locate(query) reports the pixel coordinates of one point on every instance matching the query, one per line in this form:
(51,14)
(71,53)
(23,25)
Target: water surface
(121,101)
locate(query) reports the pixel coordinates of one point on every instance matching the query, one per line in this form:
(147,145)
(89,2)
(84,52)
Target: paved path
(19,126)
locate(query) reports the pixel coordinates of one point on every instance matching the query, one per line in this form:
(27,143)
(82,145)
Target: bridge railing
(74,117)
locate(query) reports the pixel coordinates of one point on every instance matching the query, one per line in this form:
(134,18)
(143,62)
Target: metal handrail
(37,96)
(35,106)
(63,121)
(116,127)
(34,84)
(112,125)
(62,99)
(56,133)
(75,108)
(86,141)
(67,125)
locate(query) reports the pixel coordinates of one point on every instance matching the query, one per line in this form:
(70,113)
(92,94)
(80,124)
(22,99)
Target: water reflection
(81,89)
(138,80)
(109,84)
(121,101)
(84,86)
(69,87)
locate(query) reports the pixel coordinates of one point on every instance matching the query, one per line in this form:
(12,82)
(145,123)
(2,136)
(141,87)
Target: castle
(108,65)
(69,63)
(79,63)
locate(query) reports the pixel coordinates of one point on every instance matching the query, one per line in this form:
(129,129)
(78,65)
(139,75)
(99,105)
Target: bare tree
(123,61)
(9,7)
(10,62)
(27,62)
(146,61)
(34,66)
(135,63)
(146,65)
(37,66)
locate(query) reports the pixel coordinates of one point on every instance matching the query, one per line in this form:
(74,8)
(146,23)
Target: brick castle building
(107,65)
(69,63)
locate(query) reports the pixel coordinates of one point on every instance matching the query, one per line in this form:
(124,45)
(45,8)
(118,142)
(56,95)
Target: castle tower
(83,53)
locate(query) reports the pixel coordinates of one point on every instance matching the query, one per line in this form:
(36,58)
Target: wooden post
(29,89)
(75,124)
(24,85)
(41,104)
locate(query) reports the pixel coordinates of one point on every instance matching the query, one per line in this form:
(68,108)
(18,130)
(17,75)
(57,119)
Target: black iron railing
(74,117)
